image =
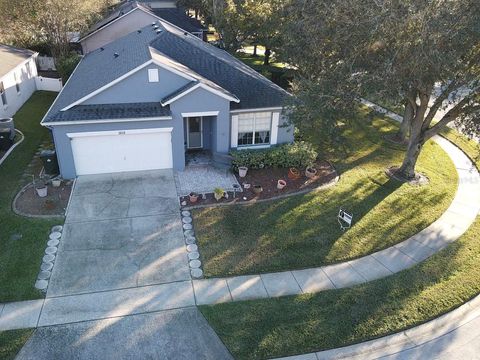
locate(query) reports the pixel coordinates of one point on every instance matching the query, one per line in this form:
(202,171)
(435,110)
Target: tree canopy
(398,49)
(27,23)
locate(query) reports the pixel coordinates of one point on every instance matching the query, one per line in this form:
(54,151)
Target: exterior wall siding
(136,88)
(201,100)
(129,23)
(285,133)
(26,76)
(64,149)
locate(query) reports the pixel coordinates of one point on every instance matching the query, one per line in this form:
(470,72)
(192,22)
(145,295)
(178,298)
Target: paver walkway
(61,306)
(449,332)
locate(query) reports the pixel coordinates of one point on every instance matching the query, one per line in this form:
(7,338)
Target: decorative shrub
(299,154)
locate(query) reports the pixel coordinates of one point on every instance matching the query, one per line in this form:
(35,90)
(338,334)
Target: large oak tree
(425,53)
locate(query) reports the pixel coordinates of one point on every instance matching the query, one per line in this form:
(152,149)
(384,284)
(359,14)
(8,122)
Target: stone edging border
(9,151)
(21,213)
(321,187)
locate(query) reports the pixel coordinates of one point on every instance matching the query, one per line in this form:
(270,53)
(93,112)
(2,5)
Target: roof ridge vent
(116,55)
(158,31)
(139,31)
(155,27)
(101,49)
(153,23)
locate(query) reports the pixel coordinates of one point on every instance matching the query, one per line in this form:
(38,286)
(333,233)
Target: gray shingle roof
(178,17)
(179,91)
(112,111)
(205,62)
(11,57)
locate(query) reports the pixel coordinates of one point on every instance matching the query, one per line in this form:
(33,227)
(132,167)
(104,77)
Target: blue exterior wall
(64,149)
(201,100)
(136,88)
(285,133)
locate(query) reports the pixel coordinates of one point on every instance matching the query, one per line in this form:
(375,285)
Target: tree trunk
(266,61)
(416,140)
(407,170)
(196,14)
(255,50)
(408,114)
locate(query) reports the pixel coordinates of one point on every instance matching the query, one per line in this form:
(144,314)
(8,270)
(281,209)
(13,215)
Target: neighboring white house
(19,79)
(18,71)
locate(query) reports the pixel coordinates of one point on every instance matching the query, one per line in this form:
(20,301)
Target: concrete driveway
(181,334)
(121,231)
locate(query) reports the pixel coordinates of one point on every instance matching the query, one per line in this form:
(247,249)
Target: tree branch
(448,117)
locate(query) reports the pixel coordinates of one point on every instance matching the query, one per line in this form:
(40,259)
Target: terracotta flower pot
(242,171)
(310,172)
(281,184)
(193,197)
(293,173)
(257,189)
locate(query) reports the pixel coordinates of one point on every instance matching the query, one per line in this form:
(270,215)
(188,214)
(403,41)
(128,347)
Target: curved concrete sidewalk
(117,303)
(449,227)
(455,335)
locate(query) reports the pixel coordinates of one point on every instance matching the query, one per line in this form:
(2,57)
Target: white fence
(48,84)
(45,63)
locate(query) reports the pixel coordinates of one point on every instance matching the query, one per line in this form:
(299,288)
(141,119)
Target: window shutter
(275,123)
(234,135)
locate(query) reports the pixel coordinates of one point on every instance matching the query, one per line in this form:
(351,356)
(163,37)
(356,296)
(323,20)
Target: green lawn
(302,231)
(20,257)
(300,324)
(12,341)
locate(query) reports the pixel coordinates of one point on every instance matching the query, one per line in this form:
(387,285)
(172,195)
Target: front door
(194,132)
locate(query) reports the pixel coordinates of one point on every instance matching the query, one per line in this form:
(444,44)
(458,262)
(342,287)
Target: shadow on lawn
(301,324)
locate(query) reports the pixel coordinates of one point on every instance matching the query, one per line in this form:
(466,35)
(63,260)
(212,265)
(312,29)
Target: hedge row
(299,154)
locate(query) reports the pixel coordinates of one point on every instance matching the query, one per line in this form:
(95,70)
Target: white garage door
(118,151)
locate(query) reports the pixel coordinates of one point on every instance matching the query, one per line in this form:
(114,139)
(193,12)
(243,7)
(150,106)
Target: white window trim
(253,145)
(153,75)
(204,113)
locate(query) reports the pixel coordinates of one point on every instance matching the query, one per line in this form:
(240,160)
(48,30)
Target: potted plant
(218,193)
(281,184)
(193,197)
(257,189)
(41,188)
(242,171)
(56,182)
(293,173)
(310,172)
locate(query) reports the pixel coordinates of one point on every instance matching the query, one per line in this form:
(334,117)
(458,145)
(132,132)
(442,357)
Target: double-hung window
(254,128)
(3,96)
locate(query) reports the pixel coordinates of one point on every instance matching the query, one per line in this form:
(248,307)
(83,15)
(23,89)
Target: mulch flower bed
(267,179)
(54,204)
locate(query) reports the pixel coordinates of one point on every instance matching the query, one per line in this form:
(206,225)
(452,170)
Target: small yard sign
(344,219)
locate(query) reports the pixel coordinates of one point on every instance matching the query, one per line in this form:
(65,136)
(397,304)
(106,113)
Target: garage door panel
(122,152)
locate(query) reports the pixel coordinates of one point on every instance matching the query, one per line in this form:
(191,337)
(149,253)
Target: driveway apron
(121,231)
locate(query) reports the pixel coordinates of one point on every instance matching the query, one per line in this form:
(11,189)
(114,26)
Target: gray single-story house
(145,100)
(18,71)
(130,16)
